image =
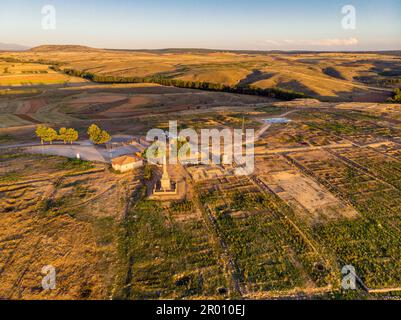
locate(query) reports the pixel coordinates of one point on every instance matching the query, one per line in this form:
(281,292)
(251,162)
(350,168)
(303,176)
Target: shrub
(396,98)
(76,164)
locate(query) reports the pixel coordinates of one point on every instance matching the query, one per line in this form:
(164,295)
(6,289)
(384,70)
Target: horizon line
(28,48)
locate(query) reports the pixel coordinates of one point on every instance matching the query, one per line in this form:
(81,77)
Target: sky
(213,24)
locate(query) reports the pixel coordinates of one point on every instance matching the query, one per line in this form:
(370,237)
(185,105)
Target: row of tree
(70,135)
(201,85)
(47,134)
(380,82)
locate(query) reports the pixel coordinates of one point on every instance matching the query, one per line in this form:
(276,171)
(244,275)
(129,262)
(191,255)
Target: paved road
(85,152)
(37,144)
(19,145)
(89,153)
(266,126)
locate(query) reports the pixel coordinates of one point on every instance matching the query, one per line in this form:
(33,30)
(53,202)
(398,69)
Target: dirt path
(49,178)
(266,126)
(304,149)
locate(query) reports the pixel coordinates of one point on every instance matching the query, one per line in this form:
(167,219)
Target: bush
(148,173)
(396,98)
(76,164)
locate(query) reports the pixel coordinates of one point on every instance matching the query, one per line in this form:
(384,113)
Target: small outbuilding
(126,163)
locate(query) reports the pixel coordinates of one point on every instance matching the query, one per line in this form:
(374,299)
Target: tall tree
(104,137)
(71,135)
(97,135)
(94,132)
(41,131)
(62,135)
(50,135)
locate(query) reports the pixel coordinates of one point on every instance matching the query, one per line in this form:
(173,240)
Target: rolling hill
(331,76)
(12,47)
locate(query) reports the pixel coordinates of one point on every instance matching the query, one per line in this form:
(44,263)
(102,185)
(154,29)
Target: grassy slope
(307,72)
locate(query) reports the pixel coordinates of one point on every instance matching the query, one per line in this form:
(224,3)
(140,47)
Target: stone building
(126,163)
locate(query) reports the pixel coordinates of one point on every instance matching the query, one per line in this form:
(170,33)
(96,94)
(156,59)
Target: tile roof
(125,160)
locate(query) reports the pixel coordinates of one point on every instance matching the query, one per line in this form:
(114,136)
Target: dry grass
(25,74)
(66,218)
(324,75)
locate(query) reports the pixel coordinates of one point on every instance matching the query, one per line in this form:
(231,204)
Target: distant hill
(12,47)
(259,52)
(63,48)
(79,48)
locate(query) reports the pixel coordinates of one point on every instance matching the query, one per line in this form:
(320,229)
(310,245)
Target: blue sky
(218,24)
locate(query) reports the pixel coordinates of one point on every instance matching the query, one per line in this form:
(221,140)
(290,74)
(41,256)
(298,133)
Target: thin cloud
(334,42)
(273,42)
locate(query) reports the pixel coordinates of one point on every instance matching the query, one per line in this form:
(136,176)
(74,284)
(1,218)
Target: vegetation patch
(6,138)
(10,177)
(396,97)
(76,165)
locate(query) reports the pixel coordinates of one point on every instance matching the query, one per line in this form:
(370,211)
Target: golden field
(27,74)
(328,76)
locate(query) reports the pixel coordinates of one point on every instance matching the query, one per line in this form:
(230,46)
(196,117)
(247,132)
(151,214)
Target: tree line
(39,61)
(47,134)
(380,82)
(277,93)
(70,135)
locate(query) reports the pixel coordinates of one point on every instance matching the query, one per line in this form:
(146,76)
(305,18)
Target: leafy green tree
(97,135)
(104,137)
(183,145)
(148,173)
(94,132)
(71,135)
(396,98)
(41,131)
(62,135)
(50,135)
